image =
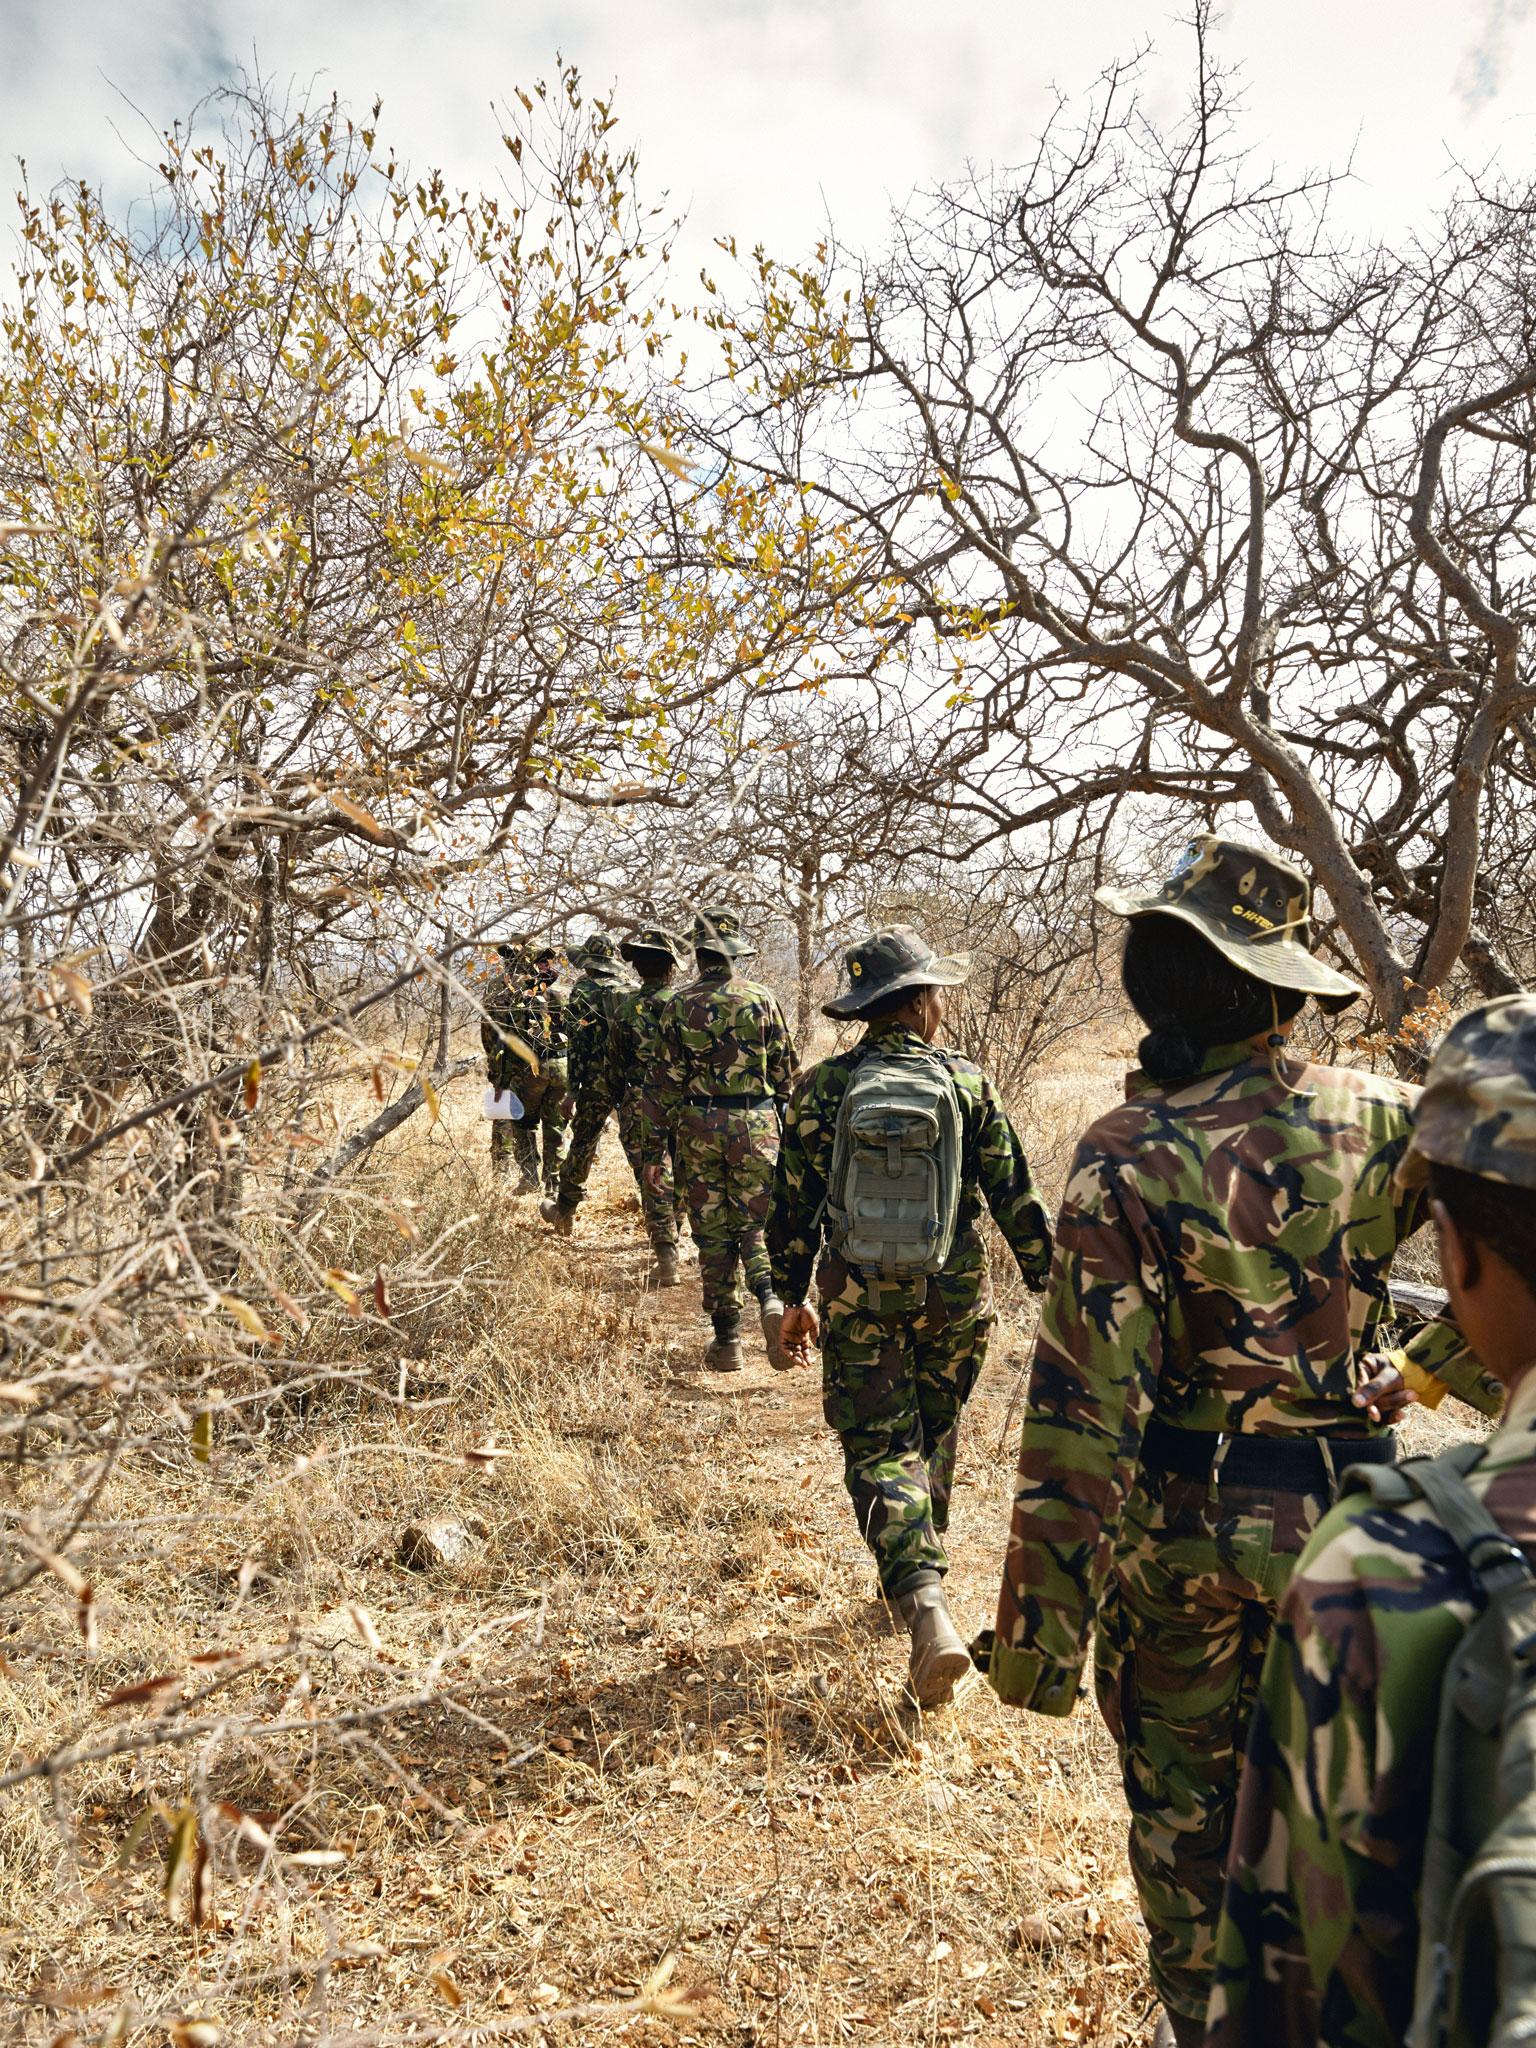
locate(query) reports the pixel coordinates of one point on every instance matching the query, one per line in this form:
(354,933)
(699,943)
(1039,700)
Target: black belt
(1289,1464)
(728,1101)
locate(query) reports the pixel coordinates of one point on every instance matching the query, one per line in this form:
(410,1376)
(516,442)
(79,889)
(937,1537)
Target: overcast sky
(760,116)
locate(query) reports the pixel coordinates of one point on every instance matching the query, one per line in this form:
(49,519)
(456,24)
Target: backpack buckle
(1497,1562)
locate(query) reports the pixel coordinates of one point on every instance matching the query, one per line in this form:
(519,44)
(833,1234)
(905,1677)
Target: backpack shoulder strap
(1495,1561)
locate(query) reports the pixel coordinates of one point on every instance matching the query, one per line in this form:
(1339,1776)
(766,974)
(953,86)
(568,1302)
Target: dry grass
(671,1725)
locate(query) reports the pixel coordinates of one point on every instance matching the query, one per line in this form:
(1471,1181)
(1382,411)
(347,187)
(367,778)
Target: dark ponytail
(1190,997)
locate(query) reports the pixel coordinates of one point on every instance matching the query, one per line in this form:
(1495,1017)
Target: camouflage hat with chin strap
(718,930)
(889,962)
(1478,1108)
(1254,908)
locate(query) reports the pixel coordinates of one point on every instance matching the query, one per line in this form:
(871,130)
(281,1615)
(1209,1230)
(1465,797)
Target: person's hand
(799,1335)
(1383,1392)
(652,1178)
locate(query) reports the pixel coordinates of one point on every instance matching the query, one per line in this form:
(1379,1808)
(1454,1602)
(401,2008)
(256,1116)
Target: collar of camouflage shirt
(890,1033)
(1217,1060)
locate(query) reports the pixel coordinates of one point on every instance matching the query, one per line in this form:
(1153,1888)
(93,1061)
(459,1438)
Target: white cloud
(1485,63)
(759,115)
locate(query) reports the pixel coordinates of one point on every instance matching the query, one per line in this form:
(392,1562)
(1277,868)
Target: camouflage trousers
(893,1387)
(594,1106)
(725,1162)
(544,1103)
(1182,1631)
(662,1208)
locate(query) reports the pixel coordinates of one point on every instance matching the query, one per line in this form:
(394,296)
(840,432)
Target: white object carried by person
(501,1105)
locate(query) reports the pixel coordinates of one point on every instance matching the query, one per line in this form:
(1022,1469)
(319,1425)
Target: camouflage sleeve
(619,1053)
(793,1231)
(1091,1388)
(1010,1190)
(1437,1361)
(587,1037)
(781,1060)
(661,1091)
(1320,1922)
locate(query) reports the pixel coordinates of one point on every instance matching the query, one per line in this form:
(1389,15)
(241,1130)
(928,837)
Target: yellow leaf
(430,1098)
(669,459)
(180,1851)
(246,1317)
(202,1435)
(434,465)
(253,1084)
(341,1286)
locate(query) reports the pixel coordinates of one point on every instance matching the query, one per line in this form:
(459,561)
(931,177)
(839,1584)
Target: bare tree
(1174,495)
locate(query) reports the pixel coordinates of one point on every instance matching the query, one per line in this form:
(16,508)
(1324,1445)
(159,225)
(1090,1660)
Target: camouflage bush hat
(1255,909)
(598,957)
(888,962)
(652,938)
(718,930)
(1478,1108)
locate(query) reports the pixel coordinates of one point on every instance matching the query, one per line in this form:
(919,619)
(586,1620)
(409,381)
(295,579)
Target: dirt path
(726,1772)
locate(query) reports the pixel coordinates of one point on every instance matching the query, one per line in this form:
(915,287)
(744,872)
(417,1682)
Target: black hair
(1491,1213)
(887,1006)
(1190,997)
(710,955)
(652,963)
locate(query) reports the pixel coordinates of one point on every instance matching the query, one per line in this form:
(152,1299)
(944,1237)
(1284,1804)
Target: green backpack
(893,1196)
(1476,1980)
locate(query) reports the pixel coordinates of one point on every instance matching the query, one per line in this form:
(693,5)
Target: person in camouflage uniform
(1320,1923)
(655,956)
(589,1012)
(899,1357)
(1205,1367)
(717,1085)
(503,1066)
(535,1016)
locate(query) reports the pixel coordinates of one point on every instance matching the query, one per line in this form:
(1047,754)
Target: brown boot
(725,1355)
(939,1658)
(771,1314)
(664,1273)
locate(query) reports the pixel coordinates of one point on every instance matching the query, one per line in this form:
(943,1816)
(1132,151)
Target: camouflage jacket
(1221,1260)
(634,1036)
(525,1010)
(589,1012)
(993,1169)
(1319,1929)
(719,1040)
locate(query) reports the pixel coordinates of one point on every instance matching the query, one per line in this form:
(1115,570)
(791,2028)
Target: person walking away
(589,1012)
(717,1085)
(537,1016)
(889,1152)
(1378,1768)
(1206,1368)
(504,1066)
(655,954)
